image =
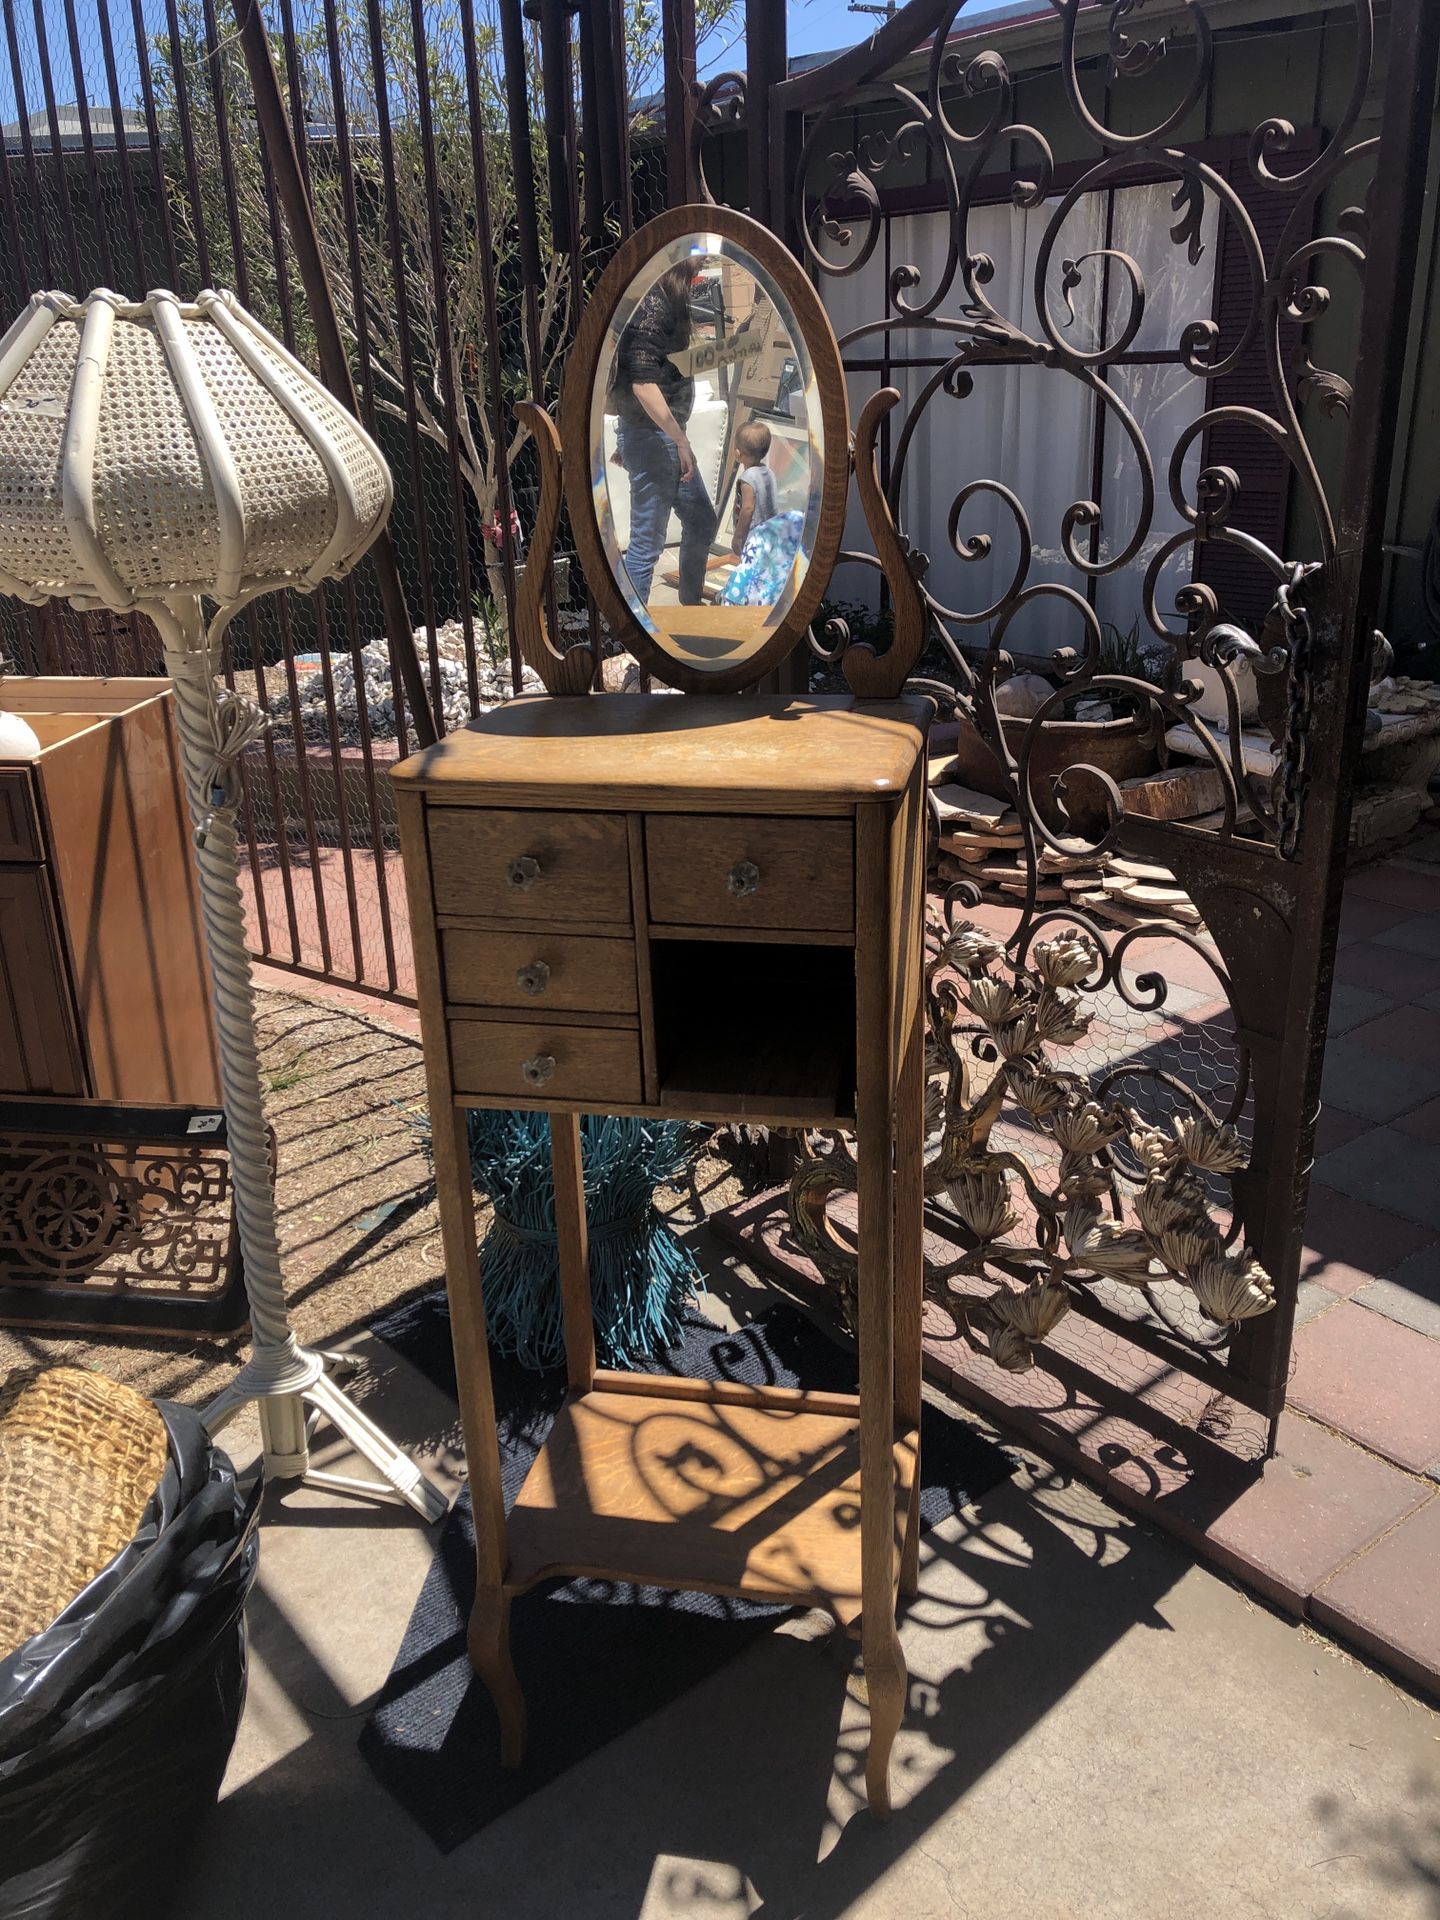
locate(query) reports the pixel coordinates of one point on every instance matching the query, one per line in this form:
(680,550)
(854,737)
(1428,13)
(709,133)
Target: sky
(814,26)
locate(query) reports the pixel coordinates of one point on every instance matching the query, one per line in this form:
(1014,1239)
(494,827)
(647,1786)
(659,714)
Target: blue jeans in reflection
(652,461)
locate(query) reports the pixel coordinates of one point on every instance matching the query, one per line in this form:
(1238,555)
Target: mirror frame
(583,366)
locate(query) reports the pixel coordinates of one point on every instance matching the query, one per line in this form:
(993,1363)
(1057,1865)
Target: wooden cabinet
(705,909)
(105,990)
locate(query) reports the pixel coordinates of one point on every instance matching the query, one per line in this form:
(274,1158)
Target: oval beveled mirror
(705,443)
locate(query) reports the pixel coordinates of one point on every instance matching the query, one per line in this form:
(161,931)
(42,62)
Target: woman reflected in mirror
(653,399)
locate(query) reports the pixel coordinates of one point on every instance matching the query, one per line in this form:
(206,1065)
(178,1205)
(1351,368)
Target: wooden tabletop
(678,752)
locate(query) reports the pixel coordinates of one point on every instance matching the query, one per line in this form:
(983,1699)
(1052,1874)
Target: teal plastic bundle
(640,1274)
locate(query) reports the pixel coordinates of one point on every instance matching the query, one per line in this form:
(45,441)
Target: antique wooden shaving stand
(700,908)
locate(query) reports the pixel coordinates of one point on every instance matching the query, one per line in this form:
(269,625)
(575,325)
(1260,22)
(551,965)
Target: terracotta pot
(1122,748)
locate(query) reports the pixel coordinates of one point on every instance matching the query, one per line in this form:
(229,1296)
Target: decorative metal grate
(118,1217)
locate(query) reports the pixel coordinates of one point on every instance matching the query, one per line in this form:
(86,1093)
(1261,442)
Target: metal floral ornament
(1125,1201)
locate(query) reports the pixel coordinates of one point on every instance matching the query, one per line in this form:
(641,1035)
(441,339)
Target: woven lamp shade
(157,448)
(80,1456)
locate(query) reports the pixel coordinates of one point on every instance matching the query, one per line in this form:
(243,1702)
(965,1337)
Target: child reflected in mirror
(765,539)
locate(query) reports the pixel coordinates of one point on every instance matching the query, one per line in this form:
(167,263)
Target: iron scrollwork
(1132,1195)
(838,213)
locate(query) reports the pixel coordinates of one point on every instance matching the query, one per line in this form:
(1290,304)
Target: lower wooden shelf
(671,1490)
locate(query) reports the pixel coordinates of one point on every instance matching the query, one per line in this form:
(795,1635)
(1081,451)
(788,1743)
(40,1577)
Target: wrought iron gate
(1295,215)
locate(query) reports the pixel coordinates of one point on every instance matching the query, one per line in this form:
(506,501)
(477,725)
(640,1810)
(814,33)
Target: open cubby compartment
(762,1028)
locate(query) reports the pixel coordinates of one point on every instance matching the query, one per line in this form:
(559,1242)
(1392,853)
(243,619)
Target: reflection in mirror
(707,453)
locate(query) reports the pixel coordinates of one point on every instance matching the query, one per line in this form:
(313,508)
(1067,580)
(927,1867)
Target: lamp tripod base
(293,1394)
(293,1386)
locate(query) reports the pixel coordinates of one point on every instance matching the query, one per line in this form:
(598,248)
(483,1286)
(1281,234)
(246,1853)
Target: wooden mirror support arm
(563,671)
(872,675)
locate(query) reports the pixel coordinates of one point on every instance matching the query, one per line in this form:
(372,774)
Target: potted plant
(1116,732)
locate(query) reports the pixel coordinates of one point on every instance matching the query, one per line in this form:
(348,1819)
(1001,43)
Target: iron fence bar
(450,401)
(283,615)
(527,226)
(617,88)
(765,64)
(216,70)
(480,168)
(320,600)
(555,90)
(57,150)
(399,671)
(302,778)
(187,144)
(152,135)
(21,287)
(250,618)
(522,159)
(1343,613)
(372,792)
(87,144)
(27,145)
(122,143)
(407,354)
(330,346)
(593,168)
(202,251)
(607,89)
(679,56)
(557,74)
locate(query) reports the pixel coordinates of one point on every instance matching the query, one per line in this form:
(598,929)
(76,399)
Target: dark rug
(594,1657)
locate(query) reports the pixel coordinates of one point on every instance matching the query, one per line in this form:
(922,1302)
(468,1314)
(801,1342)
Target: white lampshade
(157,448)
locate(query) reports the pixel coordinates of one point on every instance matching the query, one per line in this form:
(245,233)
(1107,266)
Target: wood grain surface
(583,860)
(816,754)
(806,871)
(599,1064)
(582,974)
(715,1496)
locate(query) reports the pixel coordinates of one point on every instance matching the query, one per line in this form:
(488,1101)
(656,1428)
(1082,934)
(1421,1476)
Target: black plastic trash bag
(116,1722)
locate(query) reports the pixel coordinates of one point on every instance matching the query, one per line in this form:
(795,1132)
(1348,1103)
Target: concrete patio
(1072,1670)
(1072,1666)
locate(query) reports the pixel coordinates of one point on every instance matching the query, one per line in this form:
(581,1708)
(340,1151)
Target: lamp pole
(256,480)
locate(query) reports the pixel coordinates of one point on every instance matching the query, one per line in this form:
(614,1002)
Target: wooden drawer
(728,870)
(542,869)
(599,1064)
(20,836)
(563,971)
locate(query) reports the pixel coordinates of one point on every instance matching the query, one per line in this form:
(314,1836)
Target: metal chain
(1293,775)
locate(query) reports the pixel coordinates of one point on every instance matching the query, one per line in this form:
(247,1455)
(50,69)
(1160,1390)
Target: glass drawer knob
(533,979)
(743,878)
(523,872)
(538,1069)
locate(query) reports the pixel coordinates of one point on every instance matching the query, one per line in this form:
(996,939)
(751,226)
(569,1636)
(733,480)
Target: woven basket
(80,1457)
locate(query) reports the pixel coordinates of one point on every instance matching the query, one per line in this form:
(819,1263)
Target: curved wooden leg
(887,1682)
(487,1641)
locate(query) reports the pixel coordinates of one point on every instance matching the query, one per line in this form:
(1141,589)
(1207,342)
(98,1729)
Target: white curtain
(1030,427)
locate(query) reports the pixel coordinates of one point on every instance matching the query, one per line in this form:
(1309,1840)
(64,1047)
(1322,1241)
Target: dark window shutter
(1245,588)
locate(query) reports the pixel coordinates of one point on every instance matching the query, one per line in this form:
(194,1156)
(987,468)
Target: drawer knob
(538,1069)
(533,979)
(523,872)
(743,878)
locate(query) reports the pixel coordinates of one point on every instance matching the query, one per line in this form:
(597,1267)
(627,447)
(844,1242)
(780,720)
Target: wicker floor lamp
(156,456)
